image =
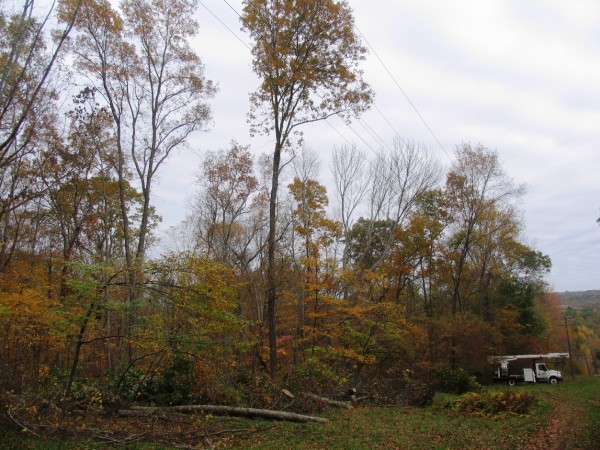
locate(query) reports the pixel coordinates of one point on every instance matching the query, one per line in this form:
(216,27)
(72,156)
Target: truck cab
(543,374)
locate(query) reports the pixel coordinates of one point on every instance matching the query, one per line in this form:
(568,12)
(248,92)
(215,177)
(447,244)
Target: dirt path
(564,425)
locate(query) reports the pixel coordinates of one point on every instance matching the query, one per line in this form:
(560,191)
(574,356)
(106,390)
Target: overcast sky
(518,76)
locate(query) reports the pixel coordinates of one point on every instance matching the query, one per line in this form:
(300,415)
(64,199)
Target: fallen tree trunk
(328,401)
(222,411)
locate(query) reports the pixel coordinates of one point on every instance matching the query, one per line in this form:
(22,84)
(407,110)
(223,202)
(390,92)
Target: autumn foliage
(398,280)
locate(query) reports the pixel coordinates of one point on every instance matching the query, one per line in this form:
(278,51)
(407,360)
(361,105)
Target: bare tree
(173,89)
(398,179)
(306,164)
(350,177)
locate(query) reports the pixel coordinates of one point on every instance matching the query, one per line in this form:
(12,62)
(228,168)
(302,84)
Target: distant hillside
(579,299)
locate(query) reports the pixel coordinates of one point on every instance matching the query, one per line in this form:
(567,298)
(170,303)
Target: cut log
(222,411)
(288,394)
(328,401)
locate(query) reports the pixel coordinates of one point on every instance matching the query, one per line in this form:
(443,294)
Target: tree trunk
(222,411)
(78,345)
(271,281)
(328,401)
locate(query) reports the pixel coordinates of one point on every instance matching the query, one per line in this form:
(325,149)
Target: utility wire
(398,135)
(369,129)
(232,8)
(403,92)
(387,121)
(347,124)
(338,132)
(360,137)
(223,23)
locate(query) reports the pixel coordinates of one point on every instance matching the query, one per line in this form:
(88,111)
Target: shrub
(492,404)
(455,381)
(419,392)
(314,376)
(173,386)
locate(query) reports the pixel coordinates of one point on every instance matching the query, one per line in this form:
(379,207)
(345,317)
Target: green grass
(438,428)
(405,428)
(569,413)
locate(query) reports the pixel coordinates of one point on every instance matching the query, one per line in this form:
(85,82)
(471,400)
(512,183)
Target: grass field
(565,416)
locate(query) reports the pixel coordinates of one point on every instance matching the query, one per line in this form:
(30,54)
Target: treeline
(579,299)
(398,272)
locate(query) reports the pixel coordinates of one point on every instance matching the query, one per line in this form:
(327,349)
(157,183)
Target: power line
(338,132)
(398,135)
(360,137)
(223,23)
(403,92)
(373,133)
(387,121)
(232,8)
(347,124)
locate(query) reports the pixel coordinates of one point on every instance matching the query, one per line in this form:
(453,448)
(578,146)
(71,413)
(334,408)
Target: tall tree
(173,89)
(153,84)
(154,88)
(28,92)
(350,182)
(476,188)
(110,63)
(306,54)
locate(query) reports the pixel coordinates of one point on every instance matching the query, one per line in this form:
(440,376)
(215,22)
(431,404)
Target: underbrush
(454,381)
(491,404)
(498,417)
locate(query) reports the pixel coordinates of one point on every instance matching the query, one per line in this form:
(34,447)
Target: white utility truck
(513,369)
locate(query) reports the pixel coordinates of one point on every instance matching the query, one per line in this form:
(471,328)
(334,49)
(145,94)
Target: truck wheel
(553,380)
(511,382)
